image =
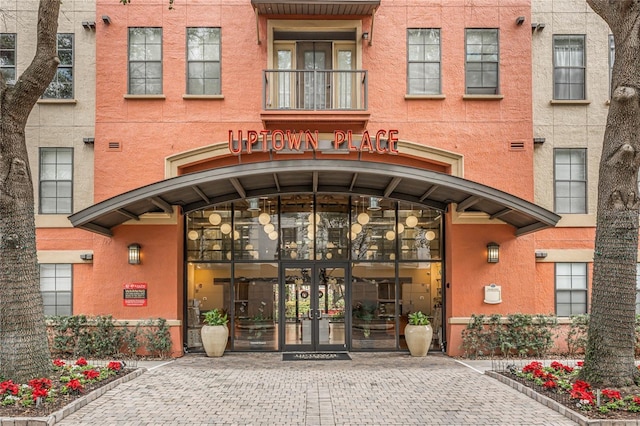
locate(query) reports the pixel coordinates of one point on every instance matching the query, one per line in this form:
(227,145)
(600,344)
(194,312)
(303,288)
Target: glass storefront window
(255,322)
(208,287)
(331,227)
(294,251)
(420,286)
(373,229)
(373,306)
(209,234)
(255,231)
(298,227)
(421,233)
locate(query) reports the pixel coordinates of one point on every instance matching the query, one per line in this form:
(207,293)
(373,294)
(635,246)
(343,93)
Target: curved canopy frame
(195,191)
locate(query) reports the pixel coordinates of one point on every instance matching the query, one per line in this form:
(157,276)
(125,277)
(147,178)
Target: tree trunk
(24,349)
(609,359)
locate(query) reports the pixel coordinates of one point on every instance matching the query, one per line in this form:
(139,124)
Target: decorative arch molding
(411,153)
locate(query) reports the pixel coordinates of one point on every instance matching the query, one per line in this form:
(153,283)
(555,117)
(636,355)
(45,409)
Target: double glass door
(314,302)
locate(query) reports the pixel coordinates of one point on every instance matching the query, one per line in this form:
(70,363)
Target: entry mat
(316,356)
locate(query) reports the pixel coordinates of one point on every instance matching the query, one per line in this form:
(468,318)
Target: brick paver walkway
(261,389)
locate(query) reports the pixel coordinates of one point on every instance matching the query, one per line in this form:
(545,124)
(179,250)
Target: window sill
(57,101)
(569,102)
(482,97)
(205,97)
(409,97)
(144,96)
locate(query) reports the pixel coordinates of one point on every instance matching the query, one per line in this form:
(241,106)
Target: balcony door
(315,76)
(314,83)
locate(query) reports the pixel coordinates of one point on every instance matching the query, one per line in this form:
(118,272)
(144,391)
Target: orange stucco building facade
(164,170)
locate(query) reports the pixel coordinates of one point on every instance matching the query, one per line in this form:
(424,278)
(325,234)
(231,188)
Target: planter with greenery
(418,334)
(215,332)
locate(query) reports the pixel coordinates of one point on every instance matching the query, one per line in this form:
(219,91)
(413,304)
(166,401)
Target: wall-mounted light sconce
(520,20)
(541,254)
(89,25)
(106,19)
(365,36)
(134,254)
(86,256)
(493,252)
(539,140)
(88,141)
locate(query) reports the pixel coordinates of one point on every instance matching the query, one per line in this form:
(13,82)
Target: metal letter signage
(287,141)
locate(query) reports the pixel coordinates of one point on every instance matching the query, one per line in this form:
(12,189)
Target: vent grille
(114,146)
(516,146)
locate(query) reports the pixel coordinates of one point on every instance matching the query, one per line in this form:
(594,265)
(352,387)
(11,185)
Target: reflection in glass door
(314,301)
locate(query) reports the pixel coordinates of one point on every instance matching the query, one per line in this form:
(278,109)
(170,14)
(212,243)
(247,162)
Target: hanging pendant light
(253,205)
(411,221)
(215,218)
(264,217)
(225,228)
(356,228)
(269,228)
(374,204)
(390,235)
(430,235)
(193,235)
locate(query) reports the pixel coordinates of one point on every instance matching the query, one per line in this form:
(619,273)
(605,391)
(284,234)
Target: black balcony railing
(315,90)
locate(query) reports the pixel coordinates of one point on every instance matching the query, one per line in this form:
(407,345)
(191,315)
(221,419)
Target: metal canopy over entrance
(421,187)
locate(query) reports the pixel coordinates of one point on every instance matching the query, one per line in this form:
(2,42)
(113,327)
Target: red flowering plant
(561,379)
(69,378)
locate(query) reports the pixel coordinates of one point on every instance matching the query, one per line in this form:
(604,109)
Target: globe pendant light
(411,221)
(264,217)
(215,219)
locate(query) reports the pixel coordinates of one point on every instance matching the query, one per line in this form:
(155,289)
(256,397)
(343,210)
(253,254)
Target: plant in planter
(418,334)
(215,332)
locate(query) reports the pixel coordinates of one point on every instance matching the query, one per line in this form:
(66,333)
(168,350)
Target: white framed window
(203,61)
(570,180)
(482,61)
(56,287)
(61,87)
(145,61)
(569,67)
(8,57)
(571,289)
(423,61)
(56,180)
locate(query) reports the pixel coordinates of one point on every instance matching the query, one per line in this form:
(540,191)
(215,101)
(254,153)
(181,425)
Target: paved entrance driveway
(261,389)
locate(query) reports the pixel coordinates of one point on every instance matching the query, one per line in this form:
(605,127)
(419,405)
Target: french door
(314,303)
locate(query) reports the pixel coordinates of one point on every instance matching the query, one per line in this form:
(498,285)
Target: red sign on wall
(134,294)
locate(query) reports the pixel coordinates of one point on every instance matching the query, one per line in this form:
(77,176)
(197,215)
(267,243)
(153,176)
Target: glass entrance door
(314,306)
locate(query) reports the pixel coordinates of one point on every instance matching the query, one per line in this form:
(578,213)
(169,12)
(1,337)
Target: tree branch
(34,80)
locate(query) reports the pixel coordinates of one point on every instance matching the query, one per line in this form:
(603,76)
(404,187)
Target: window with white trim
(56,288)
(571,289)
(482,61)
(61,87)
(569,67)
(423,61)
(145,61)
(203,61)
(8,57)
(570,180)
(56,180)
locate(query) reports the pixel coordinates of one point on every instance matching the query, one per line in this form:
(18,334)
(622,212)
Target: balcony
(323,100)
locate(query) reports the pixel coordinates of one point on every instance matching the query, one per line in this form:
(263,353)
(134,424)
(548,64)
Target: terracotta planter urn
(214,339)
(418,339)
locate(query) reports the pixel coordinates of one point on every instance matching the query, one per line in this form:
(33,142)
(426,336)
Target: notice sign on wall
(135,294)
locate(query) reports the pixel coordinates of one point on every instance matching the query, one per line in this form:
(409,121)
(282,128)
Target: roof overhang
(195,191)
(316,7)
